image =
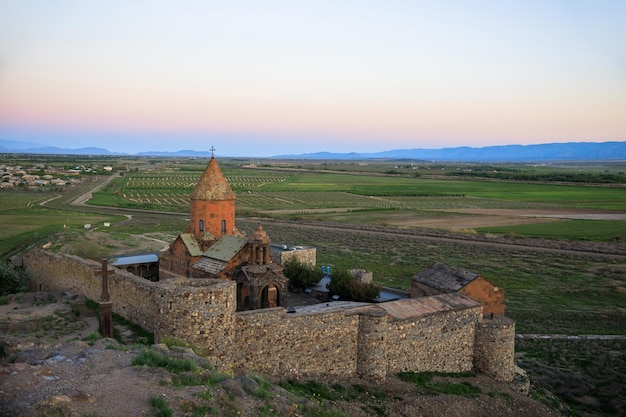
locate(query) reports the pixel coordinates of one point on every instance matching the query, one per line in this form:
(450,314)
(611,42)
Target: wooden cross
(212,151)
(106,306)
(105,280)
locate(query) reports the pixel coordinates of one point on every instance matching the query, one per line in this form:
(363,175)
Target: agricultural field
(23,221)
(484,206)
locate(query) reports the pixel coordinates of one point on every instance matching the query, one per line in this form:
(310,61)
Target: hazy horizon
(298,77)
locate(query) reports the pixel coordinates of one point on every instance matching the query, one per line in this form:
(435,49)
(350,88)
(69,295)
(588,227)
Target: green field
(23,222)
(374,198)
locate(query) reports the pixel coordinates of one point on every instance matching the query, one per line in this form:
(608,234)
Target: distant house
(440,278)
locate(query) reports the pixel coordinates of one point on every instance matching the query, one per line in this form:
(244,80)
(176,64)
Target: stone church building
(213,247)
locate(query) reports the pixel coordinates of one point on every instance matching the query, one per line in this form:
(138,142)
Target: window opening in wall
(223,226)
(201,225)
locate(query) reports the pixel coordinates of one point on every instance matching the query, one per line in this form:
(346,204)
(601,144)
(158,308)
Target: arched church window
(201,225)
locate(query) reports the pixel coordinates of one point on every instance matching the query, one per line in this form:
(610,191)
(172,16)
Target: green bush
(301,276)
(161,409)
(343,284)
(153,359)
(12,280)
(424,381)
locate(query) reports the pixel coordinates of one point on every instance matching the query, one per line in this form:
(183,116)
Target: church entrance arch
(243,297)
(269,296)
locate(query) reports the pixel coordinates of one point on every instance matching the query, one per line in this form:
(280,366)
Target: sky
(264,78)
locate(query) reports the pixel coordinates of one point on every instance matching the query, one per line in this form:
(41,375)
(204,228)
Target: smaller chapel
(213,247)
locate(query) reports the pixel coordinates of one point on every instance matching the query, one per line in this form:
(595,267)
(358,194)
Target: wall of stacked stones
(305,256)
(495,348)
(441,342)
(201,312)
(274,342)
(134,298)
(345,343)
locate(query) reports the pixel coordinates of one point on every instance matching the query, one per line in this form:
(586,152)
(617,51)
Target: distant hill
(571,151)
(9,146)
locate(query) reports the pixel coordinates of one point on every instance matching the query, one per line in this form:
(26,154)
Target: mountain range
(570,151)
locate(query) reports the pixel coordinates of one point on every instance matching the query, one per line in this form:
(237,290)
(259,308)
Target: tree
(12,280)
(343,284)
(300,276)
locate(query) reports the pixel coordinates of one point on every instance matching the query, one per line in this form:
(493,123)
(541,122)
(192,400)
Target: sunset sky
(262,78)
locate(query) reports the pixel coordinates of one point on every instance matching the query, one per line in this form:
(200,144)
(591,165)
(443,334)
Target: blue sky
(266,78)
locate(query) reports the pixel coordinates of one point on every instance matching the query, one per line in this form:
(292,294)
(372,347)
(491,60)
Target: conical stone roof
(212,184)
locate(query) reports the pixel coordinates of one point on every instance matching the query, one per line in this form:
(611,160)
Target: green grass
(35,225)
(424,380)
(588,375)
(161,409)
(154,359)
(593,230)
(335,392)
(167,191)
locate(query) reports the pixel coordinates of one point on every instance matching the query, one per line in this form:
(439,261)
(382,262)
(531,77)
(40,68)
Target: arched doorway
(269,296)
(243,297)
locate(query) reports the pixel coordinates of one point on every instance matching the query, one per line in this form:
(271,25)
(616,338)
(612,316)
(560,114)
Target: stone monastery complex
(220,291)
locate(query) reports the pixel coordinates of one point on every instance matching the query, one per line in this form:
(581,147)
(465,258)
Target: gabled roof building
(440,278)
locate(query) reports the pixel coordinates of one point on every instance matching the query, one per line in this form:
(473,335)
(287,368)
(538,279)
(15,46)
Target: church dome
(212,184)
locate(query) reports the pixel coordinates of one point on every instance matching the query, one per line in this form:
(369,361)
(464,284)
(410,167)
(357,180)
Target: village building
(440,278)
(213,247)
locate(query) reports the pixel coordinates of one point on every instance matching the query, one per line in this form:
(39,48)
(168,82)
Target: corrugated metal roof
(445,277)
(225,248)
(417,307)
(141,258)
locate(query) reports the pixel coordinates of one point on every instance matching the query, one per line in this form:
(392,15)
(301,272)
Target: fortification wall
(200,312)
(276,343)
(134,298)
(495,348)
(441,342)
(363,341)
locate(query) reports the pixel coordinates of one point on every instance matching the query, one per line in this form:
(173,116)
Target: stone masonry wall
(134,298)
(201,312)
(276,343)
(495,348)
(361,341)
(441,342)
(307,256)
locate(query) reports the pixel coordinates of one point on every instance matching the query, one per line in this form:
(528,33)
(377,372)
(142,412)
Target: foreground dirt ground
(54,365)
